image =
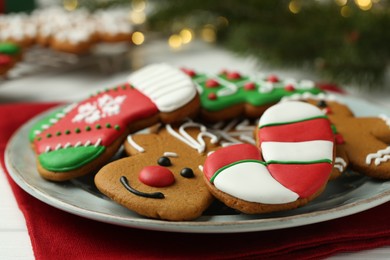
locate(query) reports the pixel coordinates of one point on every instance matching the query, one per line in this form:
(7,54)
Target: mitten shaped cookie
(79,139)
(290,166)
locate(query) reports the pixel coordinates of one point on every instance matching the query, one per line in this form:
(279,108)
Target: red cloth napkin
(57,234)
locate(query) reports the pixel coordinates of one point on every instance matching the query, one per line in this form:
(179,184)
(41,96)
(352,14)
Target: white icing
(290,111)
(385,118)
(340,164)
(136,146)
(183,136)
(252,182)
(106,106)
(168,87)
(170,154)
(297,151)
(308,95)
(380,156)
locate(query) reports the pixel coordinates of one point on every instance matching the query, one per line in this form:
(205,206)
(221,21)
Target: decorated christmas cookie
(163,177)
(231,94)
(81,137)
(289,167)
(362,142)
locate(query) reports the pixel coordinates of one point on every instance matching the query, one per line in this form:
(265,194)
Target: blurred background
(83,44)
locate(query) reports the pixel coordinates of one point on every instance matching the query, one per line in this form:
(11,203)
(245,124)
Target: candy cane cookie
(230,94)
(78,139)
(289,167)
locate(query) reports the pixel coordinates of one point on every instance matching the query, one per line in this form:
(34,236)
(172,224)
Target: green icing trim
(294,121)
(232,164)
(300,162)
(71,158)
(45,121)
(253,97)
(9,48)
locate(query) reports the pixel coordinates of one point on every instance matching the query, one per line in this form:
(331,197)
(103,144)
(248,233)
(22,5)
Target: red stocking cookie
(290,167)
(78,139)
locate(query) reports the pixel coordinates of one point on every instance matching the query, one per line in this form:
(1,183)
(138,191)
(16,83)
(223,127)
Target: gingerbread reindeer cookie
(80,138)
(162,178)
(289,167)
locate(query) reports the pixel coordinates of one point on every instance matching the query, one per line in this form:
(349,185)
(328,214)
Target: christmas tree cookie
(230,94)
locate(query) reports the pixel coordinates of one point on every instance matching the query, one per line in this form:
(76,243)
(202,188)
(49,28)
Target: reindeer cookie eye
(187,172)
(164,161)
(322,104)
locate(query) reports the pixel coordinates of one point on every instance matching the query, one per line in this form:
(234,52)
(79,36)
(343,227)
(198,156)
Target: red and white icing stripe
(169,88)
(298,157)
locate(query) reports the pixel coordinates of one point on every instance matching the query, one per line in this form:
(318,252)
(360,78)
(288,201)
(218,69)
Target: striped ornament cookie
(289,167)
(79,139)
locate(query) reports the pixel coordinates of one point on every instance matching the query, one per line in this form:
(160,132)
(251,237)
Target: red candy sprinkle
(289,87)
(249,86)
(212,83)
(273,78)
(5,59)
(233,75)
(327,110)
(189,72)
(156,176)
(212,96)
(339,139)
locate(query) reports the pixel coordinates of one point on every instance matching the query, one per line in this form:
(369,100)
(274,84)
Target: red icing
(310,130)
(156,176)
(233,75)
(5,60)
(250,86)
(189,72)
(327,110)
(303,179)
(212,83)
(289,88)
(212,96)
(339,139)
(135,106)
(228,155)
(273,78)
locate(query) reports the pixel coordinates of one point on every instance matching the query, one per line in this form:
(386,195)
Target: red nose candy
(156,176)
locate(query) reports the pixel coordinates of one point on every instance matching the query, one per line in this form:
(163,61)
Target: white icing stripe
(289,112)
(134,144)
(308,95)
(385,118)
(380,156)
(340,164)
(297,151)
(170,154)
(252,182)
(168,87)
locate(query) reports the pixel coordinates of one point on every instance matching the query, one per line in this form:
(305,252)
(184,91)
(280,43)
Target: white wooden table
(76,84)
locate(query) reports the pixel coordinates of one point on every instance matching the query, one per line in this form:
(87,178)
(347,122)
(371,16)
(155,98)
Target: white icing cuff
(251,181)
(168,87)
(297,152)
(289,111)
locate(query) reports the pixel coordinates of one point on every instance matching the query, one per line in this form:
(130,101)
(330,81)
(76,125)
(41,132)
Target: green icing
(44,121)
(9,48)
(70,158)
(300,162)
(232,164)
(253,97)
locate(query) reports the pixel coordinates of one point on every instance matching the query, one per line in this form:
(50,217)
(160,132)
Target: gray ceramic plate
(345,196)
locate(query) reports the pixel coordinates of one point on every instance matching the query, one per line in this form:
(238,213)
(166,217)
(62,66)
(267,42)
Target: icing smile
(153,195)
